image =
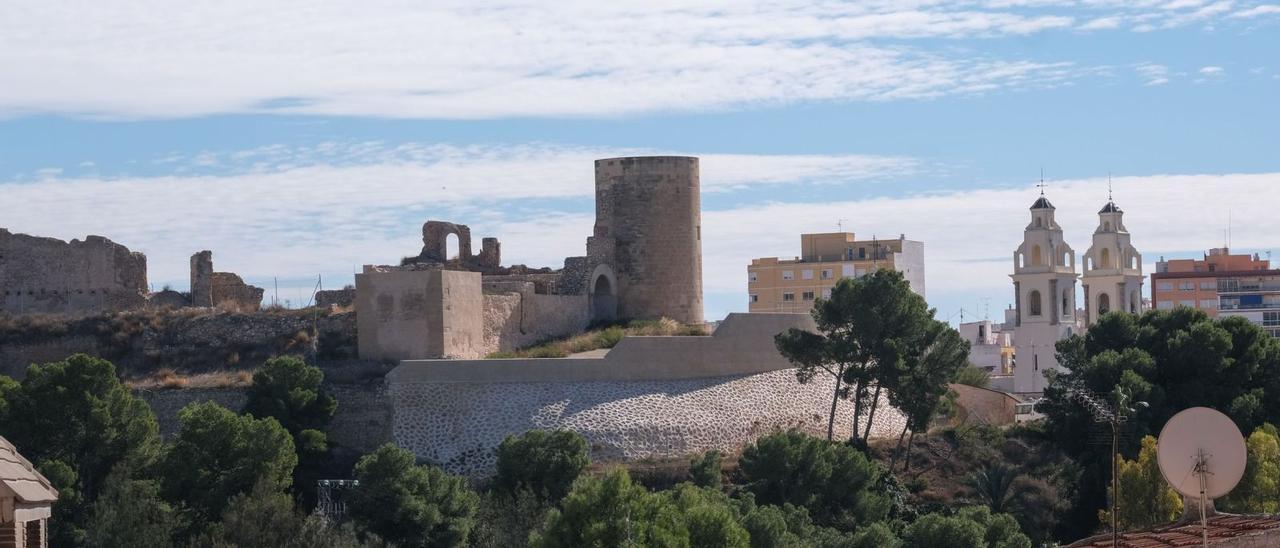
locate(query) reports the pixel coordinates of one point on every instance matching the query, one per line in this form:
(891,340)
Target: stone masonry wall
(50,276)
(458,425)
(522,318)
(362,422)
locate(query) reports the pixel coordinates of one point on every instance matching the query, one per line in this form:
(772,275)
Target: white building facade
(1044,286)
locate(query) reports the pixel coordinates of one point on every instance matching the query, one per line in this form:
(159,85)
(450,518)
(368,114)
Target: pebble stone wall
(458,425)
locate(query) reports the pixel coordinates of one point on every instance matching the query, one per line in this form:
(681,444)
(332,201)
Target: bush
(218,454)
(409,505)
(707,469)
(130,512)
(267,517)
(835,482)
(972,527)
(506,519)
(972,376)
(541,461)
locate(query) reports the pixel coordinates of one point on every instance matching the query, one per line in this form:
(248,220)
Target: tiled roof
(1042,203)
(1223,528)
(1111,207)
(21,477)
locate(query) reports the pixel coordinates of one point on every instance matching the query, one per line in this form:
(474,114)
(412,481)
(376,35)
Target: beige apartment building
(1221,284)
(791,285)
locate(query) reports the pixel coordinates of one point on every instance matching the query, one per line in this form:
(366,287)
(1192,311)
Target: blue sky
(304,139)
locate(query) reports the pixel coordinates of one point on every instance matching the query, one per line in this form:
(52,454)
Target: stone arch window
(1106,226)
(1133,261)
(1066,257)
(1039,223)
(1036,306)
(1104,304)
(1021,260)
(1106,258)
(1133,302)
(1066,301)
(1037,256)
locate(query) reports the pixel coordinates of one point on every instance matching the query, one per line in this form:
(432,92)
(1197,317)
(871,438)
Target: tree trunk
(831,419)
(897,449)
(857,410)
(906,462)
(871,414)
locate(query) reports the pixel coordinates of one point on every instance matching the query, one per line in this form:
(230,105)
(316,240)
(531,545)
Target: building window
(1210,286)
(1187,286)
(752,277)
(1209,304)
(1104,304)
(1067,295)
(1271,319)
(788,297)
(846,270)
(755,298)
(807,295)
(1165,286)
(1036,306)
(1188,304)
(806,274)
(826,274)
(826,293)
(1164,305)
(788,275)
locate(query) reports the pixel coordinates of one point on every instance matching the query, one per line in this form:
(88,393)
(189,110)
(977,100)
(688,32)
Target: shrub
(543,462)
(835,482)
(409,505)
(130,512)
(707,469)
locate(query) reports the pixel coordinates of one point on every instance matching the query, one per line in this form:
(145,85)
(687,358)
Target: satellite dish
(1201,453)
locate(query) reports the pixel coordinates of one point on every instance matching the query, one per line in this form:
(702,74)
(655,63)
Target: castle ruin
(50,276)
(643,261)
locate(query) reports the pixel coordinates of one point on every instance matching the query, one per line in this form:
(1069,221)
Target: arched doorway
(1104,304)
(603,290)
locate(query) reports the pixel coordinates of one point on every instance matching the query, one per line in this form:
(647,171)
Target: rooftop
(1042,203)
(1224,530)
(17,474)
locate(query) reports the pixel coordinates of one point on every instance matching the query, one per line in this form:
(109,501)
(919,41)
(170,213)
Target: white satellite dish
(1202,455)
(1201,443)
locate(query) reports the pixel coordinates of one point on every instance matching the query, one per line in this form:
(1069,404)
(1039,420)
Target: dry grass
(603,337)
(169,379)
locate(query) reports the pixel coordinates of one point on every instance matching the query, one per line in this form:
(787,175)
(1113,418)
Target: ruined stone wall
(231,293)
(414,314)
(649,229)
(522,317)
(16,356)
(361,424)
(202,279)
(50,276)
(336,297)
(458,425)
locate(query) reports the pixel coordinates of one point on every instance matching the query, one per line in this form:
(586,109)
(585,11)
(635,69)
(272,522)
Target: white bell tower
(1044,286)
(1112,268)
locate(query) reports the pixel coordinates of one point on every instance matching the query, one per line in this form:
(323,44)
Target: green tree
(541,461)
(218,454)
(76,422)
(1145,498)
(266,516)
(925,371)
(867,332)
(130,512)
(707,469)
(506,519)
(996,486)
(1163,358)
(410,505)
(972,527)
(972,375)
(836,483)
(710,518)
(612,512)
(285,388)
(1259,489)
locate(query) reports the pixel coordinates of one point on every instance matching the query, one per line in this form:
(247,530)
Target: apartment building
(791,285)
(1221,284)
(990,346)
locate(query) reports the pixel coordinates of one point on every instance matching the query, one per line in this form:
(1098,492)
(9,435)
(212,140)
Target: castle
(643,261)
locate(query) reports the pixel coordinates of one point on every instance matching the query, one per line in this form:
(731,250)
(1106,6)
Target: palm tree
(996,485)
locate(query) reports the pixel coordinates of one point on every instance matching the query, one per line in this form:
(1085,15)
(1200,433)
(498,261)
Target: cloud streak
(453,59)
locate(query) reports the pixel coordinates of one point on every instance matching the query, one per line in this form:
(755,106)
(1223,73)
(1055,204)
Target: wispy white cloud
(1257,11)
(1210,70)
(293,211)
(456,59)
(1153,74)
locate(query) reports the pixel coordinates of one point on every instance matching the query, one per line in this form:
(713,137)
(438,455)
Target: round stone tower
(649,230)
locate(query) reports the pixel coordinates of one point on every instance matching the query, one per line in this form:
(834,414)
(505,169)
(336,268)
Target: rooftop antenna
(1202,455)
(1041,185)
(840,224)
(1109,198)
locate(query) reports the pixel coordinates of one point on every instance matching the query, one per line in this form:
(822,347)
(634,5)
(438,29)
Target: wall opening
(451,249)
(1036,305)
(1106,258)
(1104,304)
(1037,256)
(604,301)
(1133,302)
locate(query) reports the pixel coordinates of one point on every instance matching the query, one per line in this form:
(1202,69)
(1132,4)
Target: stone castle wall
(522,317)
(50,276)
(649,230)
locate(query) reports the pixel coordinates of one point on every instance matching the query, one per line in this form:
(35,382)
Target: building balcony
(1249,306)
(1227,288)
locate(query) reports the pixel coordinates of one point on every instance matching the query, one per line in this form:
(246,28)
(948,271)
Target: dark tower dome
(1111,207)
(1042,203)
